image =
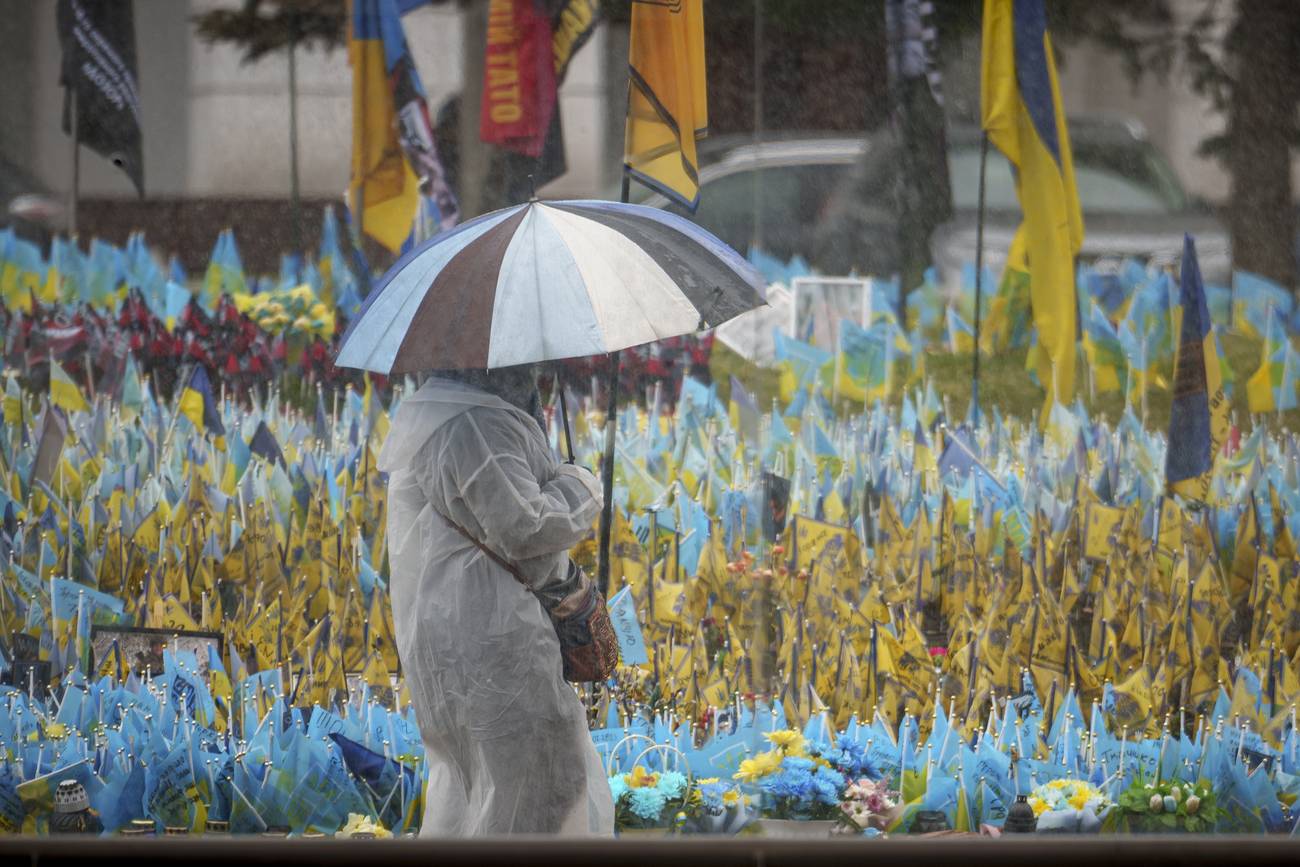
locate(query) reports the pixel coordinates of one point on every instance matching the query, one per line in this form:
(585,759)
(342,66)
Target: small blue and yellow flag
(64,392)
(200,407)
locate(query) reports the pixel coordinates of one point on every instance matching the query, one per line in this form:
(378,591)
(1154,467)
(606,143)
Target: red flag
(518,77)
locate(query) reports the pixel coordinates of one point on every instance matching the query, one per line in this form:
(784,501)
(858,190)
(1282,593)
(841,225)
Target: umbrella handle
(564,416)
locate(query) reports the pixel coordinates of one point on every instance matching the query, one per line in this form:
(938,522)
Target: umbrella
(544,281)
(549,280)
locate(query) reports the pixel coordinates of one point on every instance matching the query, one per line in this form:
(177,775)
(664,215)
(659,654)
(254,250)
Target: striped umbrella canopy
(548,280)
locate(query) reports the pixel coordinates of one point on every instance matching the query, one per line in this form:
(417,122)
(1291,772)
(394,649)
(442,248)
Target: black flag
(98,40)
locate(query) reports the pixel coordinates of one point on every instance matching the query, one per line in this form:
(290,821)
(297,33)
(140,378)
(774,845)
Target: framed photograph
(142,648)
(24,646)
(776,503)
(821,302)
(31,676)
(386,697)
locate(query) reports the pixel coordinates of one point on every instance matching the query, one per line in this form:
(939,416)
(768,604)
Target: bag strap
(491,555)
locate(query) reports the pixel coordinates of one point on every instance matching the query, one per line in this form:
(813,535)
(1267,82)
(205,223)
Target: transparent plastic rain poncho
(505,736)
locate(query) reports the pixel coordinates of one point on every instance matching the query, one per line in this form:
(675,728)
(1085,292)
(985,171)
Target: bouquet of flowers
(797,781)
(361,826)
(1170,805)
(868,804)
(715,807)
(648,800)
(1069,806)
(297,311)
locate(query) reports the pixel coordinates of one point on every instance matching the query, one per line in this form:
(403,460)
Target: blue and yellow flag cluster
(935,591)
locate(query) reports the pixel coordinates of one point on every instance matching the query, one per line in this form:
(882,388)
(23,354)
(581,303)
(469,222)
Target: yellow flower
(706,781)
(1038,805)
(641,779)
(790,741)
(751,770)
(731,798)
(1078,800)
(358,823)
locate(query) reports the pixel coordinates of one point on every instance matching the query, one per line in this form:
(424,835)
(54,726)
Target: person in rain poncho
(505,736)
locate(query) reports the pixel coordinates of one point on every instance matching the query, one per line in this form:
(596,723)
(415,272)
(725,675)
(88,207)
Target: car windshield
(1111,180)
(791,199)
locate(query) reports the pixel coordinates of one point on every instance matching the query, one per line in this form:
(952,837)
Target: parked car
(831,200)
(27,207)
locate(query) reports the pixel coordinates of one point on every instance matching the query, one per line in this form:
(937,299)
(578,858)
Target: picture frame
(142,647)
(821,302)
(386,697)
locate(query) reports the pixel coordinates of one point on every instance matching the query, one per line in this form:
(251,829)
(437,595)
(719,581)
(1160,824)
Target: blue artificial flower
(672,784)
(617,787)
(827,785)
(797,763)
(711,796)
(647,803)
(850,759)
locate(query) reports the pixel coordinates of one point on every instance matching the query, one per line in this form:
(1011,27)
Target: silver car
(831,200)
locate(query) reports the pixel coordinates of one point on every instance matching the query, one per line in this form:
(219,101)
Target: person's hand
(585,477)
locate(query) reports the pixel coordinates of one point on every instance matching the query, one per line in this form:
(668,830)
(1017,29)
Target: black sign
(98,40)
(31,676)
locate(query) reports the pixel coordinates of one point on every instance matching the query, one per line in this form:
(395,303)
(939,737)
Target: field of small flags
(844,583)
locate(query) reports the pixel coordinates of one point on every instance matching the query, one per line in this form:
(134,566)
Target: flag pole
(607,461)
(294,198)
(76,163)
(979,281)
(757,241)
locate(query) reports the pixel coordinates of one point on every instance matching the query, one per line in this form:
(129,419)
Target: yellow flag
(64,392)
(1021,110)
(1100,525)
(667,106)
(168,613)
(383,191)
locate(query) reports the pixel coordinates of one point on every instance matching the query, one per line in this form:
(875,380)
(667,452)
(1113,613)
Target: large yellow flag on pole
(1021,112)
(667,107)
(383,191)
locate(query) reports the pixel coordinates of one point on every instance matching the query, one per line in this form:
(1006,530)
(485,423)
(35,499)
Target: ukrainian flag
(200,407)
(64,392)
(1273,386)
(667,107)
(383,191)
(1021,112)
(1198,420)
(1105,352)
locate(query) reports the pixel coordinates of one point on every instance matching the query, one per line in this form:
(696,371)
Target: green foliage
(1196,811)
(261,27)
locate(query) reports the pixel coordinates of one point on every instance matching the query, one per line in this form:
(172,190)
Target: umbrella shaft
(564,417)
(607,474)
